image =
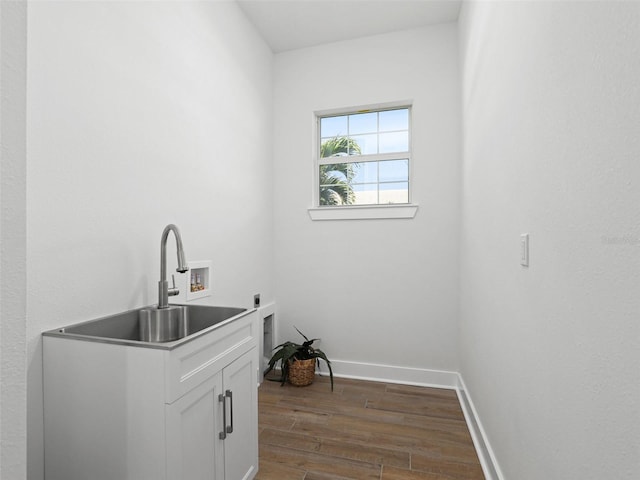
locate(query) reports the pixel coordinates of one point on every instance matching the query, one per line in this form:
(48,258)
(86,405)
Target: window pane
(394,171)
(335,147)
(333,126)
(394,192)
(334,175)
(366,172)
(363,123)
(335,186)
(394,120)
(332,195)
(368,143)
(365,194)
(394,142)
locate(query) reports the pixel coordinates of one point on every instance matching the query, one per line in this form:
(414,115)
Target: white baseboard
(485,453)
(427,378)
(391,374)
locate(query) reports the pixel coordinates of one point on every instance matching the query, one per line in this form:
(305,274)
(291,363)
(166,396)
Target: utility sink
(151,327)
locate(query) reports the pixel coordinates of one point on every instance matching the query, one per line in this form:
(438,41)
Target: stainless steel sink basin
(163,324)
(152,327)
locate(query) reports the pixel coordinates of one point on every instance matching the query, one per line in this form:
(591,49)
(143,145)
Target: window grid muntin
(348,116)
(378,183)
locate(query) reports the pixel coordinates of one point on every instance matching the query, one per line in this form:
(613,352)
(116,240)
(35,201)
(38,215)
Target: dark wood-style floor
(363,430)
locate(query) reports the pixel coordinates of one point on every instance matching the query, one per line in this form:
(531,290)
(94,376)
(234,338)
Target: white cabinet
(212,430)
(122,412)
(194,449)
(241,442)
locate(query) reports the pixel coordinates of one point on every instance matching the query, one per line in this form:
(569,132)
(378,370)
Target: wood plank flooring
(363,430)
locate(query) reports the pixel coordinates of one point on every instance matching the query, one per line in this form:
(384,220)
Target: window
(363,158)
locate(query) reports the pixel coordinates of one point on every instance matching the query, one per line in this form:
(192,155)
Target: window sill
(364,212)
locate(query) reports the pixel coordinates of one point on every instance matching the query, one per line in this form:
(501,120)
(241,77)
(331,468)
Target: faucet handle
(173,291)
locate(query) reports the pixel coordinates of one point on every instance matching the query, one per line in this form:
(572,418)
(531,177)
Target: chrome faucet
(163,286)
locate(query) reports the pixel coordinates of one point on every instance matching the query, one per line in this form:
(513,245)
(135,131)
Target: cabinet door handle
(223,433)
(229,394)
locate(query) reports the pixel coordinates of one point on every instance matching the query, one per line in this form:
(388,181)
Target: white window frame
(361,212)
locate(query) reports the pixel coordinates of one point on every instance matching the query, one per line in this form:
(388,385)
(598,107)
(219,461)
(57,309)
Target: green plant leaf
(290,351)
(303,335)
(321,354)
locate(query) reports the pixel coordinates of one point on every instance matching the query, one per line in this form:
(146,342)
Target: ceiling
(292,24)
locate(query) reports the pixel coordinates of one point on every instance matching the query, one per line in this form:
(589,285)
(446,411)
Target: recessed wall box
(198,280)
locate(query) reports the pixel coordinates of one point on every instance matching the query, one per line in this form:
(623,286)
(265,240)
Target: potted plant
(298,361)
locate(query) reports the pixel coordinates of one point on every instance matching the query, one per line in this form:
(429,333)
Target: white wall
(379,291)
(13,372)
(551,147)
(142,114)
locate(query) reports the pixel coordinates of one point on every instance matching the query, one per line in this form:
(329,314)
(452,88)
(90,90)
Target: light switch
(524,249)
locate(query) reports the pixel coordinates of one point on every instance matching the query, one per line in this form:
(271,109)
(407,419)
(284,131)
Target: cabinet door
(194,423)
(240,379)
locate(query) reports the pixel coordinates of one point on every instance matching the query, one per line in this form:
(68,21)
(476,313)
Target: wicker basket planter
(302,372)
(298,362)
